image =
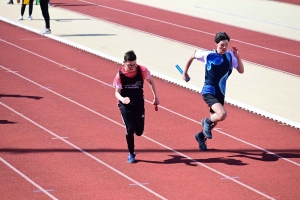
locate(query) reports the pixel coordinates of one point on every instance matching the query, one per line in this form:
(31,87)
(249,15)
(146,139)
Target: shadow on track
(20,96)
(230,159)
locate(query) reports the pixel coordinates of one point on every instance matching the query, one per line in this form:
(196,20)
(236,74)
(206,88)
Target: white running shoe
(29,17)
(20,18)
(46,31)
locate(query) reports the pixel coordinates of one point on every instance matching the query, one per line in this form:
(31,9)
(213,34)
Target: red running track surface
(61,129)
(254,46)
(296,2)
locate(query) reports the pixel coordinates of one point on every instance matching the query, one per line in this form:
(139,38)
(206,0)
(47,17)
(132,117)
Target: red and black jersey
(133,87)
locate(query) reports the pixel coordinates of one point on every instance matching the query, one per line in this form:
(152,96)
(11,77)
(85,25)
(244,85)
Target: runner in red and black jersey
(129,83)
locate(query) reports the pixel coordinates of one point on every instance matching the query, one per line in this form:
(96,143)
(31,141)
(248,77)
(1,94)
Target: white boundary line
(27,179)
(117,123)
(76,147)
(171,111)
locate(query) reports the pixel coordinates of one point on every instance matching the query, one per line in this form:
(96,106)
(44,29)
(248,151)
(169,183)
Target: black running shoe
(207,129)
(202,143)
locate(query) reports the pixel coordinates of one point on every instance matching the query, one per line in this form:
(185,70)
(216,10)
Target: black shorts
(133,117)
(212,99)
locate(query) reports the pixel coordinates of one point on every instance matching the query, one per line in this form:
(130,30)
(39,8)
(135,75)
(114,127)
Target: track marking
(49,190)
(11,71)
(133,184)
(36,39)
(231,177)
(57,138)
(184,27)
(76,147)
(71,69)
(46,87)
(117,123)
(27,178)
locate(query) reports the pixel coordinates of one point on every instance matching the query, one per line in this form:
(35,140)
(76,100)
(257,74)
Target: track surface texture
(62,136)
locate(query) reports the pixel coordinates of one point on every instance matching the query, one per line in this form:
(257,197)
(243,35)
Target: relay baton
(181,72)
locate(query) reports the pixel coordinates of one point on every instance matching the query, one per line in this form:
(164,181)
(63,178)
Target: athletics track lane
(296,2)
(256,47)
(56,166)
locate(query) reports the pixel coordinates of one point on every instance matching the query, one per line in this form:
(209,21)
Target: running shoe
(46,31)
(10,2)
(29,17)
(20,18)
(131,158)
(207,129)
(202,143)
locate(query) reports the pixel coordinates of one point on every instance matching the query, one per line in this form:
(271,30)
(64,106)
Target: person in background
(44,7)
(23,7)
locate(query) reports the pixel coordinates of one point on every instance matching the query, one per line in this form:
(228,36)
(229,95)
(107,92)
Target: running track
(60,96)
(257,47)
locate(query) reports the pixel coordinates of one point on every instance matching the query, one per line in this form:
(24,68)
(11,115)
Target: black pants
(45,12)
(134,119)
(30,8)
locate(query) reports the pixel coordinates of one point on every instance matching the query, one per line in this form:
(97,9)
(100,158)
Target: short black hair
(221,36)
(129,56)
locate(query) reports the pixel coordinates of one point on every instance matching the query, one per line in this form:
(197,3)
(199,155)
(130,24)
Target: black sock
(208,120)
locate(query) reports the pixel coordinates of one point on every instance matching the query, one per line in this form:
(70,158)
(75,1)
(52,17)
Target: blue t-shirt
(218,67)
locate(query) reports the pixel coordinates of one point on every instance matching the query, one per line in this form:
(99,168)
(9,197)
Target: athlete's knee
(139,132)
(222,115)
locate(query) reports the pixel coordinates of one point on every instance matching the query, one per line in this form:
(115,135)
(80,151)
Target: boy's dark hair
(221,36)
(129,56)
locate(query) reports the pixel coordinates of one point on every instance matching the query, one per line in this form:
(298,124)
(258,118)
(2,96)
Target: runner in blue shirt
(218,66)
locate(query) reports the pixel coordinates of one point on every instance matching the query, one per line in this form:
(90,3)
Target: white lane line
(184,27)
(55,138)
(79,149)
(10,71)
(117,123)
(27,178)
(231,177)
(71,69)
(133,184)
(36,38)
(48,190)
